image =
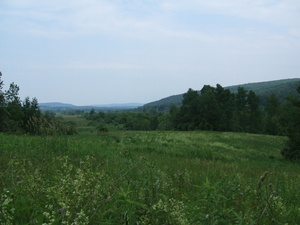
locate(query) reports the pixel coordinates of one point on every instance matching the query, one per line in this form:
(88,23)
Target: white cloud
(279,12)
(100,17)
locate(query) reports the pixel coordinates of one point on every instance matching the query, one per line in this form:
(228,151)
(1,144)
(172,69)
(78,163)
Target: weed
(147,178)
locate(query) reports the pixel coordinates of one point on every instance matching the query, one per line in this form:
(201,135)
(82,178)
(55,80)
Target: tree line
(217,109)
(213,109)
(25,117)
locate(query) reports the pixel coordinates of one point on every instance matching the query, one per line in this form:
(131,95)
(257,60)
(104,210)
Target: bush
(41,126)
(102,129)
(292,151)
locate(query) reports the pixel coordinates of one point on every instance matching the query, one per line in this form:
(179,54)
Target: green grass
(147,178)
(85,127)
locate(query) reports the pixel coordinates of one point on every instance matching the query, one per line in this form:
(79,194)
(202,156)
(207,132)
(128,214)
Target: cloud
(158,23)
(190,42)
(138,19)
(77,17)
(280,13)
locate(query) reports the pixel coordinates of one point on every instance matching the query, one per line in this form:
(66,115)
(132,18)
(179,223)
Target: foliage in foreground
(147,178)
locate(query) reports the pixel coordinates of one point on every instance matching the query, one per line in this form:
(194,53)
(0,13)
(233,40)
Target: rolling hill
(59,107)
(282,88)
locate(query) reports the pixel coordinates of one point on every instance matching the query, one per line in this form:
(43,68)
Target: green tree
(49,115)
(189,111)
(30,110)
(3,112)
(209,111)
(14,109)
(173,117)
(25,117)
(225,101)
(272,119)
(292,150)
(138,121)
(255,113)
(241,109)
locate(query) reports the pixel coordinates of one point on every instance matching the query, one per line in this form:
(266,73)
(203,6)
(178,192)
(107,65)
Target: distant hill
(59,107)
(125,105)
(282,88)
(56,104)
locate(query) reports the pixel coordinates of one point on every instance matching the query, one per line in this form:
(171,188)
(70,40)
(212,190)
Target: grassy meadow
(134,177)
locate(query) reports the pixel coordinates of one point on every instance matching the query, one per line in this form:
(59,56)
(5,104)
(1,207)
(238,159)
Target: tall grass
(148,178)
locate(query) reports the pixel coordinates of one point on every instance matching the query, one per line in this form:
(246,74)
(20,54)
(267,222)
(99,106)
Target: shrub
(102,129)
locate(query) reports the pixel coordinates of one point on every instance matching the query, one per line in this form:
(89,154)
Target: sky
(86,52)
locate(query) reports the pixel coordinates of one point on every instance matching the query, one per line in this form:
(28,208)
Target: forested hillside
(281,88)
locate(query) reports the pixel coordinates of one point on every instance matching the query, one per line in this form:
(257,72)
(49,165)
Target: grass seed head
(262,178)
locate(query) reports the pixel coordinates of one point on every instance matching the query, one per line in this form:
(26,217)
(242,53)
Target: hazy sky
(117,51)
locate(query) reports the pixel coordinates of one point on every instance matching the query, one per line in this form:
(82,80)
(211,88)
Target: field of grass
(85,127)
(148,178)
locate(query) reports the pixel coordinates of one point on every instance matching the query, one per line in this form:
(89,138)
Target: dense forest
(282,88)
(214,109)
